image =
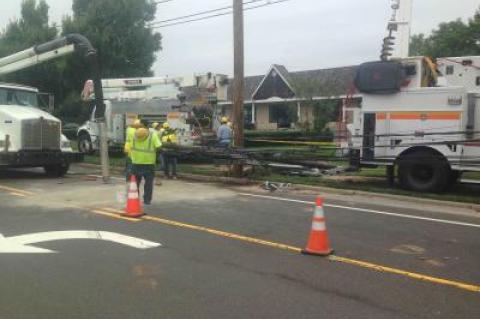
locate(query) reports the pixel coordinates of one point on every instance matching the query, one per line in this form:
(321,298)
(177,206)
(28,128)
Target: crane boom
(54,49)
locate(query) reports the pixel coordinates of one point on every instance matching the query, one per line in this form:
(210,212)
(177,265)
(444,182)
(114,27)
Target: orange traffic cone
(318,243)
(134,208)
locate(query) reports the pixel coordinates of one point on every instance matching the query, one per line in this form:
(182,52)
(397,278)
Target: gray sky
(301,34)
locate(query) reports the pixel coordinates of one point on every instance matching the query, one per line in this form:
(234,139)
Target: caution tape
(295,142)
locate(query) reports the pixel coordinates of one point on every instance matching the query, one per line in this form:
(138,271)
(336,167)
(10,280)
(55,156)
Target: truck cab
(29,135)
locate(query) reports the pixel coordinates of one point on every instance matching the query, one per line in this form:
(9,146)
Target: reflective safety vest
(145,152)
(129,136)
(169,138)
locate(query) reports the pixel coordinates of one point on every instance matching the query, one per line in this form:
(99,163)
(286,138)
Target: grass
(460,192)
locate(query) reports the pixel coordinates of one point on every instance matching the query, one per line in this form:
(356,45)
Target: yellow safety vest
(129,136)
(169,138)
(145,152)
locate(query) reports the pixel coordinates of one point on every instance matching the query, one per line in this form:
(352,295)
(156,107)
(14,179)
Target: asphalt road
(213,272)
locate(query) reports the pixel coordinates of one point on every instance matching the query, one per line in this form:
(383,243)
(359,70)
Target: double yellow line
(16,191)
(359,263)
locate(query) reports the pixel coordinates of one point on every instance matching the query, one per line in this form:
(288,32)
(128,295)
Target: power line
(162,1)
(201,13)
(215,15)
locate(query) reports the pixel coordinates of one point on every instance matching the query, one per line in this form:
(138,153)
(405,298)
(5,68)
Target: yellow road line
(18,194)
(16,190)
(114,210)
(223,234)
(354,262)
(440,281)
(113,215)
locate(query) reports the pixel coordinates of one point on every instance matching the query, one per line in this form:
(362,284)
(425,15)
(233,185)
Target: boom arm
(55,49)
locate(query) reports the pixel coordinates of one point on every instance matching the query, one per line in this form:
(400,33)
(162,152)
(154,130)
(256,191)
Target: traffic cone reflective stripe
(134,208)
(318,243)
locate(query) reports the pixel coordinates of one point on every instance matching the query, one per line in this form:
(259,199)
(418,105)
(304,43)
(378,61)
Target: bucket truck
(419,119)
(126,100)
(30,136)
(155,99)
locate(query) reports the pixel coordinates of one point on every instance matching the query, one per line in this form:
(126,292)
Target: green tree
(119,30)
(455,38)
(32,28)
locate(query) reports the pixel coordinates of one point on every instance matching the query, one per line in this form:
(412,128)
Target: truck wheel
(85,144)
(58,170)
(453,179)
(423,171)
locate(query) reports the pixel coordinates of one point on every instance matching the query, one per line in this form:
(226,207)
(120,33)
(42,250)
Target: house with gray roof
(283,99)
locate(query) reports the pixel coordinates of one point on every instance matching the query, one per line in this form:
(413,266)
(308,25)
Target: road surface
(232,253)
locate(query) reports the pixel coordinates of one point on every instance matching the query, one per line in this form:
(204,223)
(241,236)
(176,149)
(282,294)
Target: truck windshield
(9,96)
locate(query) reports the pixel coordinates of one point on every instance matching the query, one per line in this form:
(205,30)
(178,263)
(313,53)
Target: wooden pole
(238,97)
(238,70)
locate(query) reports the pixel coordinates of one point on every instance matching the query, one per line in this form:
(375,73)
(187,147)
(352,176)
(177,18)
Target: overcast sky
(300,34)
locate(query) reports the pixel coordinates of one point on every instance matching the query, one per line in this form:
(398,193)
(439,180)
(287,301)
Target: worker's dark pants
(223,144)
(146,172)
(170,164)
(128,168)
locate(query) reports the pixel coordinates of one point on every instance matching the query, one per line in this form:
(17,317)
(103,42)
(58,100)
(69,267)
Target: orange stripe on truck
(420,116)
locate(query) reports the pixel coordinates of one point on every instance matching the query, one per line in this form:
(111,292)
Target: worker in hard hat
(157,128)
(170,154)
(224,133)
(143,151)
(129,135)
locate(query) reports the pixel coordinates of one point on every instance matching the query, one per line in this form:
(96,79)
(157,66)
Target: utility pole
(238,70)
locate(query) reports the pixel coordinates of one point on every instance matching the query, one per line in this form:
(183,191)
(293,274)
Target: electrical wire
(200,13)
(218,15)
(162,1)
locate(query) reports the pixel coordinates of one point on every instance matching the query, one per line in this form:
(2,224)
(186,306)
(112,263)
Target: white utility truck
(29,135)
(155,99)
(126,100)
(419,119)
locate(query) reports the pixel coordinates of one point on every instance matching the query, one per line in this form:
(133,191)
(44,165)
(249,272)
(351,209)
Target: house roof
(270,86)
(305,84)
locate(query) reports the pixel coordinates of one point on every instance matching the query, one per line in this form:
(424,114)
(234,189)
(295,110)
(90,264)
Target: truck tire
(424,171)
(58,170)
(453,179)
(85,145)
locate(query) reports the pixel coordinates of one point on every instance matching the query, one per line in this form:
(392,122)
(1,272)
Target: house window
(279,113)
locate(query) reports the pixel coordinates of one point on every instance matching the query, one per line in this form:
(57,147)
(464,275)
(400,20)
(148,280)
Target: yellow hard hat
(224,120)
(137,123)
(142,133)
(155,125)
(166,125)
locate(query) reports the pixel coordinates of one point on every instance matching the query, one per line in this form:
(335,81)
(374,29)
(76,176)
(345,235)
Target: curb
(192,177)
(300,187)
(426,201)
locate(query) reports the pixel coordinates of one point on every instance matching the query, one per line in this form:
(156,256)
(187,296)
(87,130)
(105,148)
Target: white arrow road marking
(20,244)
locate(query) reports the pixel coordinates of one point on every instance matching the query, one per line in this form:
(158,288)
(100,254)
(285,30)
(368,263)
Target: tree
(30,29)
(118,30)
(455,38)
